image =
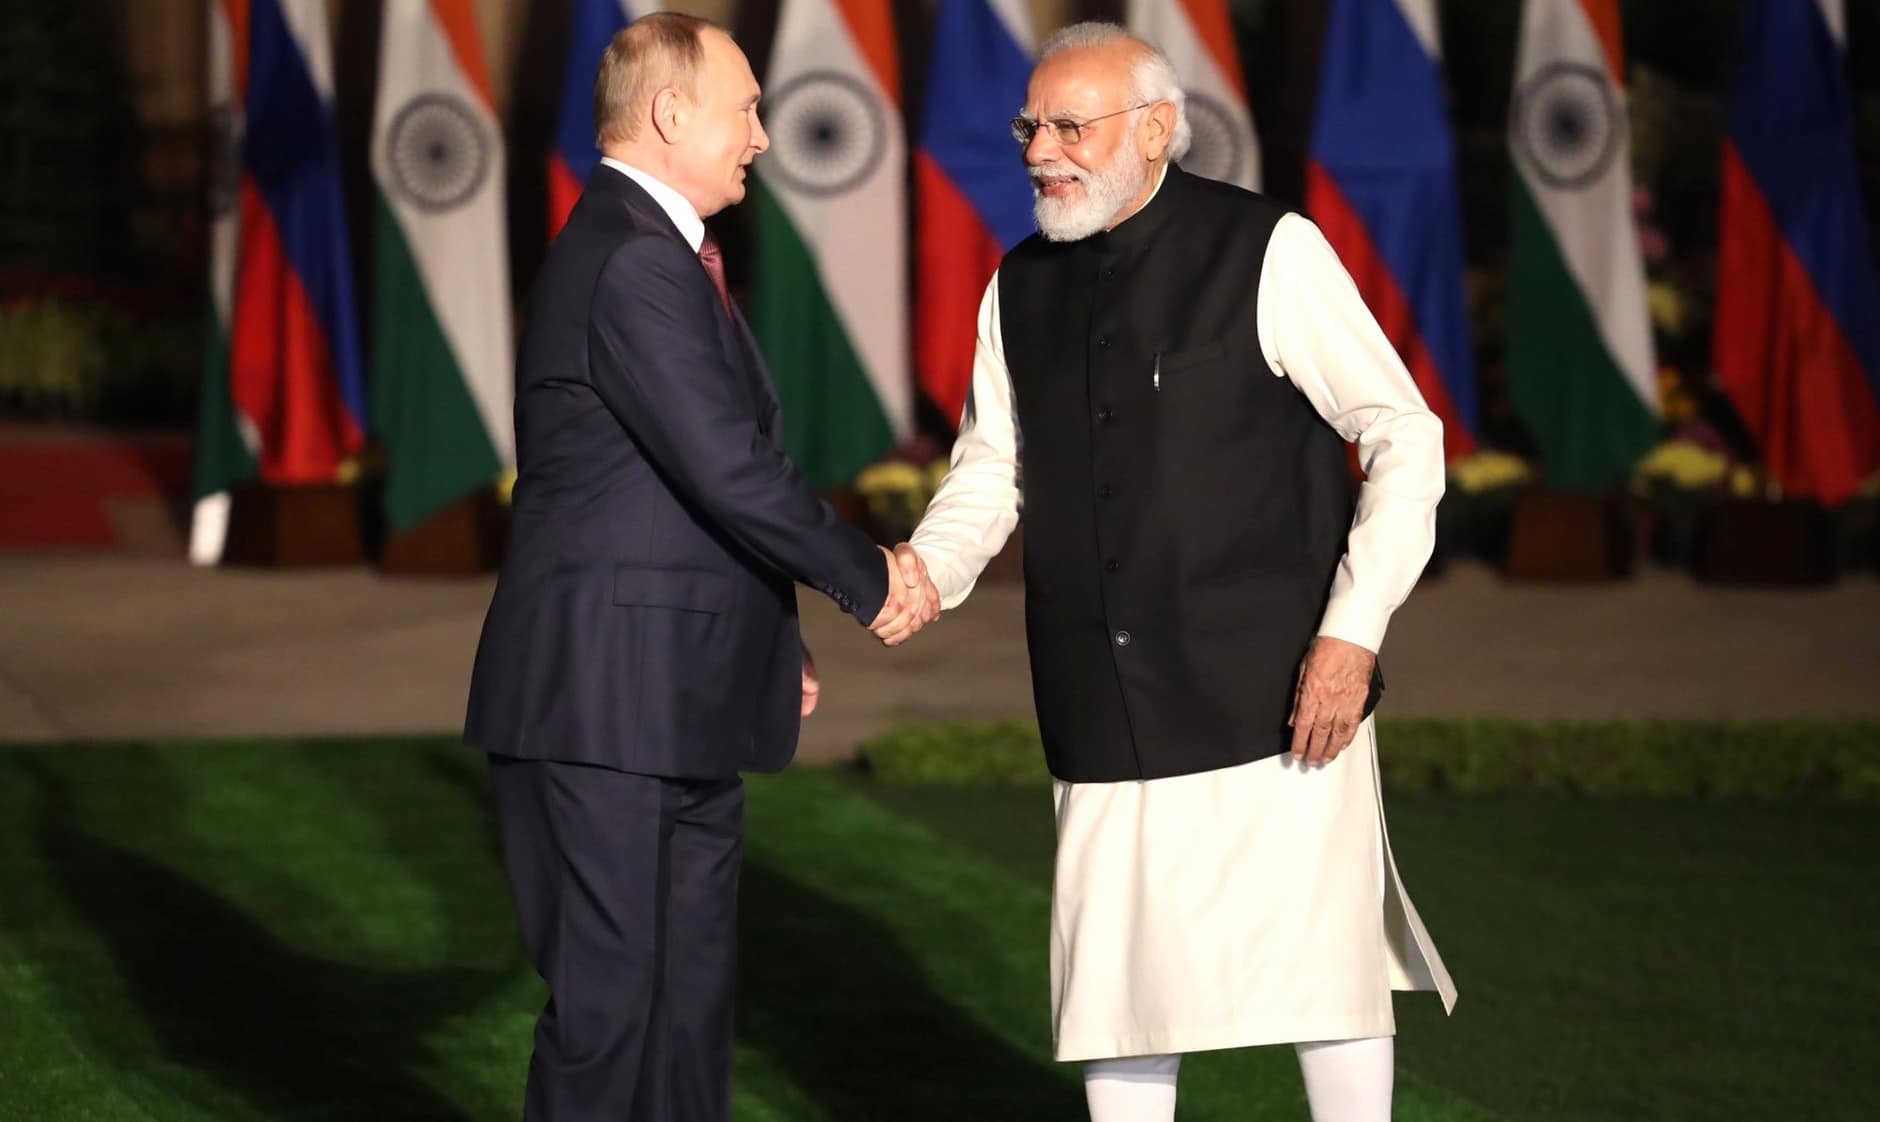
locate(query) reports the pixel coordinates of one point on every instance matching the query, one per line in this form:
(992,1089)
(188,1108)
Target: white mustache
(1058,171)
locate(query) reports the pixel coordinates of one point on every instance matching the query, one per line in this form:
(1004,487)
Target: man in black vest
(1165,381)
(642,647)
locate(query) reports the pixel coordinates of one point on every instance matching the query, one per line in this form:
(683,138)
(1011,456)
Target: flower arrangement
(1489,470)
(1682,480)
(897,491)
(1681,463)
(90,360)
(1478,505)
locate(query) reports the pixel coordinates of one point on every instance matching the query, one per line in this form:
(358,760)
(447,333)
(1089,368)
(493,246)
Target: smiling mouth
(1054,185)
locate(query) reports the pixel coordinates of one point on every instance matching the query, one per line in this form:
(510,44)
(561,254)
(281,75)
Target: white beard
(1106,192)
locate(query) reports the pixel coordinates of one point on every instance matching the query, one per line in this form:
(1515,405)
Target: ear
(669,114)
(1158,129)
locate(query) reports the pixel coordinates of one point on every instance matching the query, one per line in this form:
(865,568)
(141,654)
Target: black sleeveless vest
(1184,507)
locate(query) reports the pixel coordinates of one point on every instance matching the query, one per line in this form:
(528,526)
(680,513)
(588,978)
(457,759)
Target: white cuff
(1355,620)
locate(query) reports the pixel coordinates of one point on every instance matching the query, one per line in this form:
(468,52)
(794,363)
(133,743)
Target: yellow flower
(1683,464)
(1667,307)
(1743,482)
(1487,470)
(890,477)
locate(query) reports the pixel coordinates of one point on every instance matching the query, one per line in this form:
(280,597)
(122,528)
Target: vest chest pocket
(1189,357)
(1213,387)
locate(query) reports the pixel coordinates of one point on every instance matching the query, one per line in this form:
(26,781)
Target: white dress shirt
(683,214)
(1315,330)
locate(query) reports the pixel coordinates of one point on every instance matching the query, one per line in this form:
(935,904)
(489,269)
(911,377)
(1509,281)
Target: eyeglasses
(1066,130)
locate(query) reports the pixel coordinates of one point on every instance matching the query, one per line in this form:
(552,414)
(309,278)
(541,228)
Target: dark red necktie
(713,258)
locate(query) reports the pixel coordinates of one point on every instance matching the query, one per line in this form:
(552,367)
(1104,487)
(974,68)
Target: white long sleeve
(978,503)
(1315,329)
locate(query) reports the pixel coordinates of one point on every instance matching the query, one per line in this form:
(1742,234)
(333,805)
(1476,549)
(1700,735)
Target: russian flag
(1381,184)
(294,362)
(1797,336)
(972,195)
(574,155)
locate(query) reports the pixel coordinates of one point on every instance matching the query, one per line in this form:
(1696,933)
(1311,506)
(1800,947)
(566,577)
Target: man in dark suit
(642,647)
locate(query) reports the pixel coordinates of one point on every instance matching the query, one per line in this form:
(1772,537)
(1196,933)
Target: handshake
(913,601)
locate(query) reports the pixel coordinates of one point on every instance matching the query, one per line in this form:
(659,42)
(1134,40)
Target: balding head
(675,98)
(660,51)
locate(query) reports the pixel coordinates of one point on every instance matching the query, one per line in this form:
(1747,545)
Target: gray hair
(1152,77)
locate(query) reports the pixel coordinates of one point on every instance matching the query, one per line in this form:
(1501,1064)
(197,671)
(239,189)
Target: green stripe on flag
(1586,419)
(436,448)
(833,424)
(222,458)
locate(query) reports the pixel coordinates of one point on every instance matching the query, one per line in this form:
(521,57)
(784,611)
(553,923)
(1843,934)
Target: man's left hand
(812,683)
(1334,680)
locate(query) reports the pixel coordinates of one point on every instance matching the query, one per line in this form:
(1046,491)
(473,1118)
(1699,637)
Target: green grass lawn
(287,931)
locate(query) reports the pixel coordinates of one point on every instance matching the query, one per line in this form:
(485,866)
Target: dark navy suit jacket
(645,618)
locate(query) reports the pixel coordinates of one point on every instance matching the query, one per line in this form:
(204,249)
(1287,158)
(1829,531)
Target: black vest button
(1104,415)
(1110,565)
(1103,341)
(1122,638)
(1105,491)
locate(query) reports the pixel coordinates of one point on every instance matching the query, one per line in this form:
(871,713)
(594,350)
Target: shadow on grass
(831,997)
(235,1011)
(226,968)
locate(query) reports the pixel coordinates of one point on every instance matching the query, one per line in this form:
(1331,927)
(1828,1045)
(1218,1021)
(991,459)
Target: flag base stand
(466,538)
(294,527)
(1556,536)
(1787,543)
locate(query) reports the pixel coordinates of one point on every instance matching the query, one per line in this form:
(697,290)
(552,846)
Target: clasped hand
(913,601)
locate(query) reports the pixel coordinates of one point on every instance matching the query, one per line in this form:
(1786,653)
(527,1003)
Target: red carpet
(58,486)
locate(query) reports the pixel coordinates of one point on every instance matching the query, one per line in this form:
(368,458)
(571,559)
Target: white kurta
(1255,904)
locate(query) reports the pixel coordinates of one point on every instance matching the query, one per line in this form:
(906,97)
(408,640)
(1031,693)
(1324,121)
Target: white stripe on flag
(1421,16)
(313,34)
(1835,13)
(1016,16)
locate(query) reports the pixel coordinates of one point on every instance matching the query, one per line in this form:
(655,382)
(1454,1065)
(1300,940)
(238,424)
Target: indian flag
(225,450)
(829,301)
(1198,39)
(441,332)
(1580,366)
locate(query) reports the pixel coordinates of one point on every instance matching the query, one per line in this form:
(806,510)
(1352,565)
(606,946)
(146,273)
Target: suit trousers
(626,887)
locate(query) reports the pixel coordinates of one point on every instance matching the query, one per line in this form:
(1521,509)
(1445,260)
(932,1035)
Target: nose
(1043,147)
(760,140)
